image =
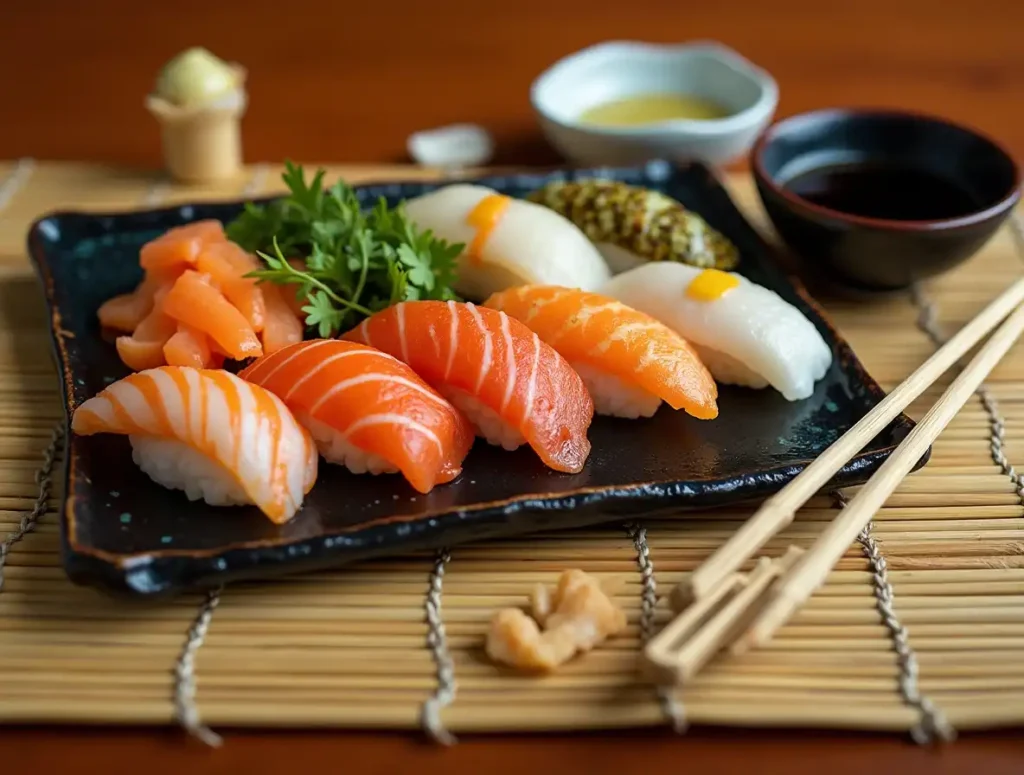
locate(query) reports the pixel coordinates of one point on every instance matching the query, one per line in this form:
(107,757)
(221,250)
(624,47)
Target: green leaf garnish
(343,263)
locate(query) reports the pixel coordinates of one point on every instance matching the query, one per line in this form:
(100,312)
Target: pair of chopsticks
(719,606)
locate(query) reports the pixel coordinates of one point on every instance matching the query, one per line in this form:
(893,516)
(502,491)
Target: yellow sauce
(484,217)
(711,284)
(651,109)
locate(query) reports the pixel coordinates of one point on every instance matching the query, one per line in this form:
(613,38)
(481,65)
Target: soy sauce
(889,191)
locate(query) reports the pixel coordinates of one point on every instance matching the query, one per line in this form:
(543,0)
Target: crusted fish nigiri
(631,225)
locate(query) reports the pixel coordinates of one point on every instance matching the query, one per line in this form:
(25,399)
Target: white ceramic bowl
(619,69)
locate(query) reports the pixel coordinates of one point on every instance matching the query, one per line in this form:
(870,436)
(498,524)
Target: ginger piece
(576,618)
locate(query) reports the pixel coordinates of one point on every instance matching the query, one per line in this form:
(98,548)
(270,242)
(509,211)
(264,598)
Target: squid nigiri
(743,332)
(210,434)
(508,241)
(367,410)
(629,361)
(513,387)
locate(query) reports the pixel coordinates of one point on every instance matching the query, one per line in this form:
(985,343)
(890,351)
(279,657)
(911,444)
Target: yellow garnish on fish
(711,285)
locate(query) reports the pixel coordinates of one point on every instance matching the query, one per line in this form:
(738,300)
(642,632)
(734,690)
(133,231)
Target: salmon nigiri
(367,410)
(209,433)
(511,385)
(629,361)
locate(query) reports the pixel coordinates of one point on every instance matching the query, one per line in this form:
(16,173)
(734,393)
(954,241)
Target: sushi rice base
(178,466)
(337,449)
(727,369)
(614,396)
(487,422)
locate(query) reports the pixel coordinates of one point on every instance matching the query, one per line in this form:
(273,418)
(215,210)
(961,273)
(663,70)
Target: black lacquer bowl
(929,230)
(124,533)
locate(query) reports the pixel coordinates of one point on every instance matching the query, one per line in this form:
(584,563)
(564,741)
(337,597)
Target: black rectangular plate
(124,533)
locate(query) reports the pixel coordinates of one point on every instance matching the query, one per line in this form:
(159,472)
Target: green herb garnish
(352,263)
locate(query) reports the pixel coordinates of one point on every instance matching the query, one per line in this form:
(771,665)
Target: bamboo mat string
(44,482)
(15,180)
(185,709)
(673,709)
(437,642)
(932,724)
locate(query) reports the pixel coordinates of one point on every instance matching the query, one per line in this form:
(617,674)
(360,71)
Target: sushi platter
(353,647)
(602,377)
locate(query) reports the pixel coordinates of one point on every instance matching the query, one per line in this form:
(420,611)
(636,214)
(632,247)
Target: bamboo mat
(920,626)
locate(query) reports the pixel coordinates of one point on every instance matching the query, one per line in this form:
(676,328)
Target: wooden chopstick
(810,572)
(777,512)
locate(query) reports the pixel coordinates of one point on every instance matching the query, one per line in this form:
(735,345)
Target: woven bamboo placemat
(921,626)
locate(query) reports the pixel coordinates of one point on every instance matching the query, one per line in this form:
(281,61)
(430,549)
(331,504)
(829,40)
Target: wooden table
(334,81)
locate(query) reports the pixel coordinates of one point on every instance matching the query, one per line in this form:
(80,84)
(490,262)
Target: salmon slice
(156,327)
(180,247)
(367,410)
(126,311)
(139,355)
(280,326)
(243,438)
(227,264)
(603,338)
(144,348)
(510,384)
(187,347)
(195,302)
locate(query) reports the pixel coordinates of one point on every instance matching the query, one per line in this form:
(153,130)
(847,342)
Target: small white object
(620,69)
(458,145)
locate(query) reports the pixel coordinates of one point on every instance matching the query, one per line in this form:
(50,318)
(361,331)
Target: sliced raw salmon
(180,246)
(195,302)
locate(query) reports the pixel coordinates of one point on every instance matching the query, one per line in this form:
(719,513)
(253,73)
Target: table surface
(336,82)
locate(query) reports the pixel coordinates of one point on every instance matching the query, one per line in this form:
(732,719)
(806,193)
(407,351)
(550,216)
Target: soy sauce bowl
(876,200)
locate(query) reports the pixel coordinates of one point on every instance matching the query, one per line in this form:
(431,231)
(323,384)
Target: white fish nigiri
(508,241)
(744,333)
(209,433)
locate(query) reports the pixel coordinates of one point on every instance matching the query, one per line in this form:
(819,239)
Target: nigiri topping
(711,285)
(644,225)
(484,217)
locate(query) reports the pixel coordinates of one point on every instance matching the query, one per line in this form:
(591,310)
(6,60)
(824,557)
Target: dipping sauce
(651,109)
(889,191)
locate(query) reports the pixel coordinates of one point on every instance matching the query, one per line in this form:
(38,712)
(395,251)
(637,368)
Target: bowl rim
(742,120)
(771,133)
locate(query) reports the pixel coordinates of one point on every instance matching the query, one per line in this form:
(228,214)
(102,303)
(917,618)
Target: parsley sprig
(345,263)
